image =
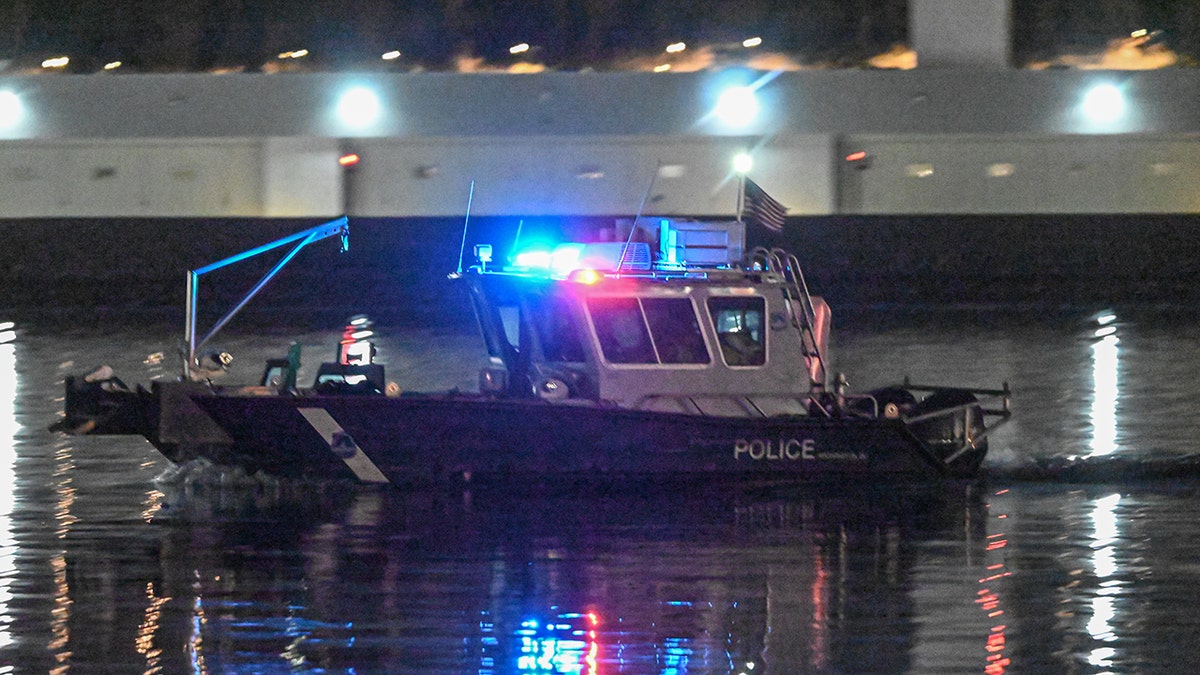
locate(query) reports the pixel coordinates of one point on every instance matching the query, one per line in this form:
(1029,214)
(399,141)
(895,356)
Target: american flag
(759,207)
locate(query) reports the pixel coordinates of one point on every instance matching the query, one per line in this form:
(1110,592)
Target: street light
(358,107)
(1104,103)
(737,106)
(742,163)
(10,109)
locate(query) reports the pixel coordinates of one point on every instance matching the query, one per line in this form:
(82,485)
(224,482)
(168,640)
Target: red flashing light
(349,159)
(856,156)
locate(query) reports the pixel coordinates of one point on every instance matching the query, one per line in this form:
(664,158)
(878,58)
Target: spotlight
(358,107)
(737,106)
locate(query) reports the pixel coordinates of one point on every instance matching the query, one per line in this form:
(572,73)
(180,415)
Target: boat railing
(984,402)
(991,404)
(692,404)
(812,404)
(984,398)
(787,265)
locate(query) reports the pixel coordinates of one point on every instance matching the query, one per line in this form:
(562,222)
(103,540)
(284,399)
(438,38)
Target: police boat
(672,353)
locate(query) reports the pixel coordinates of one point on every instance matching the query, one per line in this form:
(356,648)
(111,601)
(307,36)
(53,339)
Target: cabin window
(675,330)
(510,318)
(739,325)
(649,330)
(622,330)
(557,329)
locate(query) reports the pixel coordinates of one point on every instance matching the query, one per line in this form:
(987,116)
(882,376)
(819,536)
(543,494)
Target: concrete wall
(940,141)
(161,177)
(300,177)
(584,176)
(441,105)
(1007,175)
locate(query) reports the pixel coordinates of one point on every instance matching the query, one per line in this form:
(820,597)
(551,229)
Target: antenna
(633,228)
(516,239)
(466,219)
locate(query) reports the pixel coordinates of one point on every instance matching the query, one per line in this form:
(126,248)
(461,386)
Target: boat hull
(430,438)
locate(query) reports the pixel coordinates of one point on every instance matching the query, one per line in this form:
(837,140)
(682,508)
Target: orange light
(349,159)
(855,156)
(586,276)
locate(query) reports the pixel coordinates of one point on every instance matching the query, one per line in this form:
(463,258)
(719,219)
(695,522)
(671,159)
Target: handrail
(338,226)
(796,279)
(787,266)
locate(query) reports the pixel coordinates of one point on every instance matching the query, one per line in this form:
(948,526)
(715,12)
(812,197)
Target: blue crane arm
(337,227)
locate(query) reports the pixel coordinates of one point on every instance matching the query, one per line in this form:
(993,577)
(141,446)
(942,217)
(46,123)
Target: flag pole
(741,196)
(741,209)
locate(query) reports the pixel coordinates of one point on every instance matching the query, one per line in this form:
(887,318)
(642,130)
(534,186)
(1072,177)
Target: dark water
(1078,553)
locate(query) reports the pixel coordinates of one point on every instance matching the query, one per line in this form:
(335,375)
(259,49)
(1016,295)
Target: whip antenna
(516,239)
(466,219)
(641,207)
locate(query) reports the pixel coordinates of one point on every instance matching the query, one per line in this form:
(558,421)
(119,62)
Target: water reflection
(113,575)
(1105,386)
(144,642)
(990,599)
(565,643)
(569,584)
(10,428)
(1104,565)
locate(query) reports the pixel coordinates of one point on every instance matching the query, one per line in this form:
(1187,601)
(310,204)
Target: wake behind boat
(671,353)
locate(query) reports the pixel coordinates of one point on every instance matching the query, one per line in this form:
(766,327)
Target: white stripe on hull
(341,444)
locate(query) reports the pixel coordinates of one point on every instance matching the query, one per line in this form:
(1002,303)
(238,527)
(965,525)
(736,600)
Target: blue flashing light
(537,259)
(565,258)
(562,260)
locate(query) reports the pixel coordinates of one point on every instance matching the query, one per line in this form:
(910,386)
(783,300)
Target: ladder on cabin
(796,292)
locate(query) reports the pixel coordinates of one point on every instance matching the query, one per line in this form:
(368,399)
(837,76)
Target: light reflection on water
(9,431)
(104,568)
(1105,387)
(1104,566)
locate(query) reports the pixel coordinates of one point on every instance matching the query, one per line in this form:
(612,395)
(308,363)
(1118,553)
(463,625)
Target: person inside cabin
(739,325)
(676,331)
(741,349)
(621,330)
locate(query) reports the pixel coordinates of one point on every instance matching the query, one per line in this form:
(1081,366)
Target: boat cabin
(620,324)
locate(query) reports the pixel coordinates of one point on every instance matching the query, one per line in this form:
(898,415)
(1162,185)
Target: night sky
(199,35)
